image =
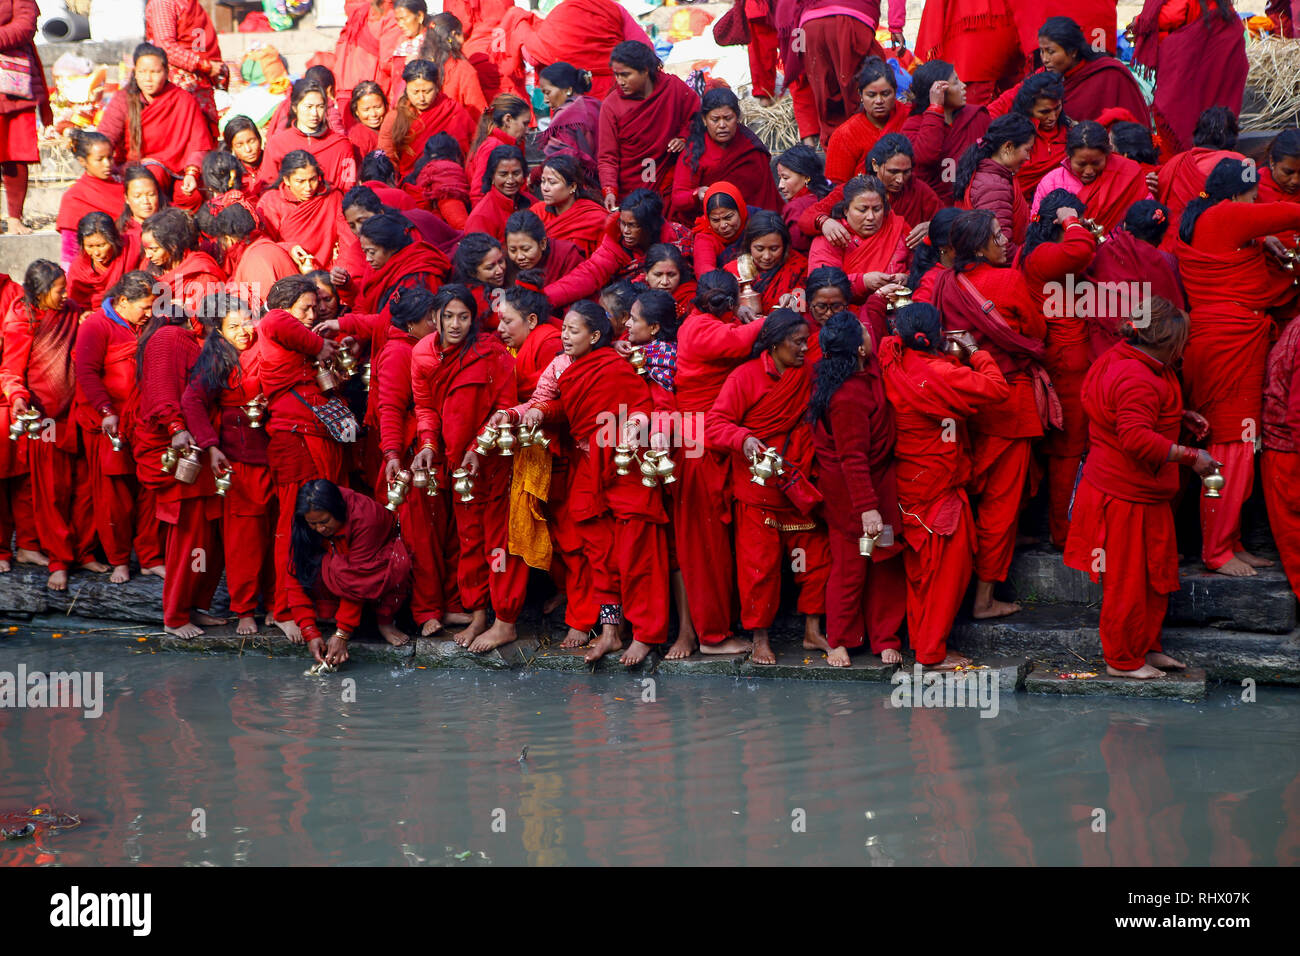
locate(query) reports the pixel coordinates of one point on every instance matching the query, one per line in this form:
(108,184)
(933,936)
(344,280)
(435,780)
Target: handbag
(732,28)
(335,416)
(16,75)
(796,487)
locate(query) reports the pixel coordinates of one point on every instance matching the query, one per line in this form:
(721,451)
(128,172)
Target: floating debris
(319,669)
(1076,675)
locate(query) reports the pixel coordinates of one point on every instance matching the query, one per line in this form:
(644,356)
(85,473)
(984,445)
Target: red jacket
(17,32)
(288,348)
(993,187)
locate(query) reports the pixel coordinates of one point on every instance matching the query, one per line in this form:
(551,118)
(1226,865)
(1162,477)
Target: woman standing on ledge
(18,113)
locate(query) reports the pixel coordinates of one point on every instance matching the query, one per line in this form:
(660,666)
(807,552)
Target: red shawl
(875,253)
(444,115)
(578,32)
(776,284)
(1047,154)
(1123,261)
(172,126)
(1109,196)
(1185,87)
(1269,192)
(574,131)
(365,139)
(1013,351)
(50,376)
(931,151)
(744,162)
(1182,179)
(853,140)
(334,151)
(418,261)
(485,367)
(89,194)
(942,20)
(87,287)
(445,189)
(781,412)
(476,165)
(194,277)
(583,223)
(317,224)
(489,215)
(1093,86)
(356,54)
(537,352)
(633,131)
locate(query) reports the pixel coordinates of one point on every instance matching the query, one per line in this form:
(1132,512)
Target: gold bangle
(340,634)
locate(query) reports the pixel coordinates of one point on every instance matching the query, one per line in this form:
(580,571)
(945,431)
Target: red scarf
(89,194)
(875,253)
(1094,86)
(50,377)
(962,310)
(539,349)
(87,287)
(404,268)
(486,362)
(745,163)
(193,277)
(444,115)
(1109,196)
(316,224)
(173,128)
(645,128)
(778,417)
(1121,260)
(1047,154)
(583,223)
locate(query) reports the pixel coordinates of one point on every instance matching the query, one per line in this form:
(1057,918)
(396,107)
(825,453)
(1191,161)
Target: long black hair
(99,224)
(828,277)
(218,359)
(39,279)
(570,170)
(926,75)
(1147,220)
(717,293)
(1010,128)
(806,161)
(299,92)
(174,231)
(595,319)
(1216,128)
(306,547)
(376,167)
(388,230)
(437,146)
(410,305)
(779,325)
(527,296)
(840,338)
(715,99)
(647,208)
(919,326)
(135,99)
(222,172)
(1039,86)
(1068,35)
(469,255)
(659,308)
(1229,178)
(971,232)
(927,254)
(1044,227)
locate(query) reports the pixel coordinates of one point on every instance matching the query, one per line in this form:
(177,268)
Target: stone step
(1189,685)
(89,595)
(18,252)
(1263,602)
(1069,634)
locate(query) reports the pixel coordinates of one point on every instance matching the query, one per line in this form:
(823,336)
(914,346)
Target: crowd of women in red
(395,355)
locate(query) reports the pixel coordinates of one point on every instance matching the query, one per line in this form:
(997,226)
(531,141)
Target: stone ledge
(1189,685)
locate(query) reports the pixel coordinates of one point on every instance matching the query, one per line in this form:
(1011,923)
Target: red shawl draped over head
(1200,65)
(416,264)
(1126,262)
(50,377)
(537,352)
(194,277)
(445,189)
(595,385)
(1269,191)
(745,163)
(1109,197)
(1047,154)
(578,32)
(707,239)
(87,286)
(89,194)
(444,115)
(582,224)
(317,224)
(1093,86)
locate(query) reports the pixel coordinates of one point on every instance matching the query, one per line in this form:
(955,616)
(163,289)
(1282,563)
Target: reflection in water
(424,768)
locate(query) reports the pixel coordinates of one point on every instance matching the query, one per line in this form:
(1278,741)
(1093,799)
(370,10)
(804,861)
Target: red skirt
(18,137)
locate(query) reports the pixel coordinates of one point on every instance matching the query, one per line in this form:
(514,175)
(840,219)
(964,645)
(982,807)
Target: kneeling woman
(345,547)
(1135,412)
(621,520)
(763,405)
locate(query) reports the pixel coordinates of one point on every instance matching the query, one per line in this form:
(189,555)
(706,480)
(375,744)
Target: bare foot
(838,657)
(456,619)
(94,567)
(732,645)
(949,663)
(993,608)
(607,643)
(246,625)
(4,566)
(762,653)
(16,227)
(158,571)
(185,630)
(765,101)
(121,574)
(477,625)
(26,556)
(682,648)
(1145,672)
(1254,560)
(1234,567)
(430,627)
(891,655)
(815,642)
(552,602)
(290,629)
(1157,659)
(635,654)
(500,633)
(58,581)
(205,619)
(393,634)
(575,638)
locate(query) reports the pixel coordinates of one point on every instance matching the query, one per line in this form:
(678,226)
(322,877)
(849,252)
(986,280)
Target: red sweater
(104,359)
(288,348)
(934,141)
(846,153)
(1281,418)
(207,411)
(396,397)
(854,446)
(708,349)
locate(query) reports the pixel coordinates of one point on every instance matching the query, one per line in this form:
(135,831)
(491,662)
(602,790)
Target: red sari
(846,153)
(316,224)
(336,154)
(1270,192)
(490,213)
(1182,178)
(583,223)
(744,162)
(173,129)
(779,286)
(195,276)
(885,250)
(87,284)
(634,131)
(1109,197)
(444,115)
(86,195)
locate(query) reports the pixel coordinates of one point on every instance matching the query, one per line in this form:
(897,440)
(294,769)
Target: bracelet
(175,428)
(340,634)
(820,221)
(311,633)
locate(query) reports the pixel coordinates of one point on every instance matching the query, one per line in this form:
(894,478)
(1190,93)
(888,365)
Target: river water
(218,761)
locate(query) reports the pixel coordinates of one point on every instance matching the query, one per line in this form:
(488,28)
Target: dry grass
(1274,79)
(774,124)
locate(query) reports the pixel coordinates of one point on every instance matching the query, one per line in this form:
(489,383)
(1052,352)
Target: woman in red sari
(1280,181)
(1106,182)
(18,107)
(1225,244)
(621,521)
(574,130)
(243,139)
(253,262)
(300,447)
(303,212)
(422,111)
(881,113)
(667,270)
(718,233)
(193,557)
(186,273)
(152,118)
(876,252)
(1040,99)
(103,258)
(643,124)
(1055,255)
(105,362)
(98,190)
(932,398)
(528,247)
(443,45)
(941,125)
(568,208)
(470,378)
(308,129)
(1122,508)
(710,344)
(1280,462)
(853,439)
(226,379)
(503,123)
(986,175)
(17,515)
(367,108)
(346,549)
(401,42)
(764,404)
(356,53)
(503,182)
(720,148)
(994,304)
(780,270)
(36,372)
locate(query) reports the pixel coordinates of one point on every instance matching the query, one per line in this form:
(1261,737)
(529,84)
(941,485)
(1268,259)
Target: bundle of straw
(774,124)
(1272,85)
